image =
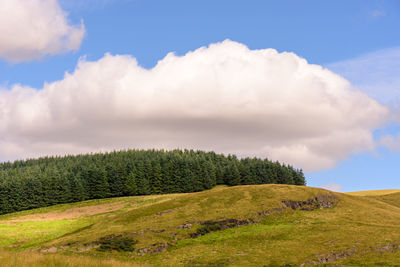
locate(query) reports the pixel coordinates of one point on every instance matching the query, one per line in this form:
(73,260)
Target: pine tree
(156,183)
(46,181)
(97,182)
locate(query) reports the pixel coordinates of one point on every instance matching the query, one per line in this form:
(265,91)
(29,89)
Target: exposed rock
(387,248)
(229,223)
(212,226)
(319,202)
(86,246)
(154,248)
(271,211)
(49,250)
(185,226)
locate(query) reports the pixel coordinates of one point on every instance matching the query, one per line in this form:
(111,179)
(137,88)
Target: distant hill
(251,225)
(48,181)
(373,192)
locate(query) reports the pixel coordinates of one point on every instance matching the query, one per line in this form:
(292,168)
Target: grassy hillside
(269,225)
(374,192)
(392,199)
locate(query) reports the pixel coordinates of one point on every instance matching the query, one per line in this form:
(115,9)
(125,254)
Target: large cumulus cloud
(31,29)
(377,74)
(224,97)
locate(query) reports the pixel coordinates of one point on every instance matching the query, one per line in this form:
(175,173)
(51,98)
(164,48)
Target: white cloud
(224,97)
(333,187)
(377,74)
(390,141)
(31,29)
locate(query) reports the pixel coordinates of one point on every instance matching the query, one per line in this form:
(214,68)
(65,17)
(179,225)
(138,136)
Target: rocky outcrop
(154,248)
(318,202)
(185,226)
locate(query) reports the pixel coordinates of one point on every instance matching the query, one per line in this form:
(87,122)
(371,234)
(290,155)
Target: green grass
(357,224)
(236,233)
(28,234)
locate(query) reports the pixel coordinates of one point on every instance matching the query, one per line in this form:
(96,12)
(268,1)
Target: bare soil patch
(69,213)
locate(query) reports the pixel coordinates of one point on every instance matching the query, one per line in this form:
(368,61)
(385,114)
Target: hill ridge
(239,225)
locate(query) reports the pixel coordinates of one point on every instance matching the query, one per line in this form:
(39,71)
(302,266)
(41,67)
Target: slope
(374,192)
(392,199)
(236,226)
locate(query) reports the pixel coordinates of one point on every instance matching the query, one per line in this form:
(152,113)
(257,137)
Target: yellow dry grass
(33,259)
(373,192)
(71,213)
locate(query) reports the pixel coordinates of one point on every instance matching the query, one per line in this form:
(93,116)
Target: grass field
(374,192)
(225,226)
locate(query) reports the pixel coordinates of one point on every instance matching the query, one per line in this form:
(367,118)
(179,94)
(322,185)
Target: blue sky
(358,40)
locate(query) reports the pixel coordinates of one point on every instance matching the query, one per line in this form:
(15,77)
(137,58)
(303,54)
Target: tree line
(34,183)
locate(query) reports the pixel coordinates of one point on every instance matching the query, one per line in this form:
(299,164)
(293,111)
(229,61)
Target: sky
(314,84)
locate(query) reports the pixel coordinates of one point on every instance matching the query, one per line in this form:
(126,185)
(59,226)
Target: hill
(48,181)
(253,225)
(374,192)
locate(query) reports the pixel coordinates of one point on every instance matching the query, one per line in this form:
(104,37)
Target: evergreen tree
(32,183)
(156,181)
(97,183)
